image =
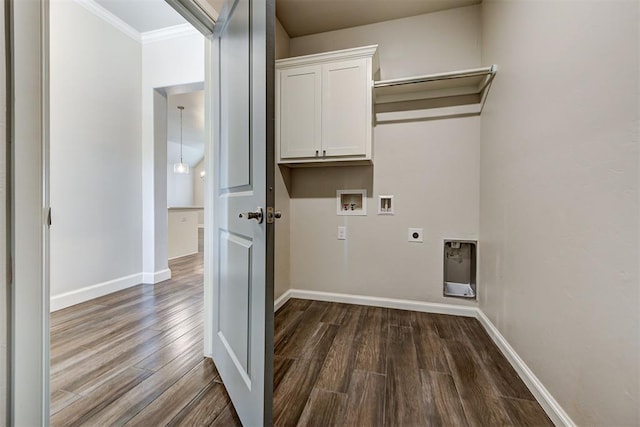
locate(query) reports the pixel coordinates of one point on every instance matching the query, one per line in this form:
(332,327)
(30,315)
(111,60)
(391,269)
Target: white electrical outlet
(342,233)
(415,235)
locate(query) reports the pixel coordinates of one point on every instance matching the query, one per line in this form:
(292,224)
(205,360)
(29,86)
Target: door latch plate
(272,215)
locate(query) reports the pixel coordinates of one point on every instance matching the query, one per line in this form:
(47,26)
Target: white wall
(431,167)
(198,190)
(183,233)
(95,150)
(282,231)
(559,198)
(164,63)
(159,192)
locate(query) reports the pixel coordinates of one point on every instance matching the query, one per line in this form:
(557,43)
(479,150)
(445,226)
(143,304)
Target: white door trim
(28,169)
(208,186)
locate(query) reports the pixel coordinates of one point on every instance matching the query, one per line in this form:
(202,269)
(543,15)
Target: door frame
(27,35)
(208,207)
(204,21)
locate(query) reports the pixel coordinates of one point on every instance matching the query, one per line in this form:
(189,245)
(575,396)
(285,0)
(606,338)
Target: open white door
(241,248)
(239,240)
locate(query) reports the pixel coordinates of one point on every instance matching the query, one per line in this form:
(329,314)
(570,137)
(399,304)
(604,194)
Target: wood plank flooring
(134,357)
(339,364)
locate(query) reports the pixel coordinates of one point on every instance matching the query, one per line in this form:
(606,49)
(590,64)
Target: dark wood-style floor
(339,364)
(135,357)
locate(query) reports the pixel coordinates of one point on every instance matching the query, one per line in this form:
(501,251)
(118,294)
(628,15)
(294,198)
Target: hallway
(135,357)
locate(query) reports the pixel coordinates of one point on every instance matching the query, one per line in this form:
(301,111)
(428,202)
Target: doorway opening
(127,293)
(110,159)
(180,110)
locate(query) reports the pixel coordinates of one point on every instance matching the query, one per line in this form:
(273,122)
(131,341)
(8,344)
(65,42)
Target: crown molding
(344,54)
(181,30)
(110,18)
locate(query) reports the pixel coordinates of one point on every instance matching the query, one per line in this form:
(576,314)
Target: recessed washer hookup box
(460,268)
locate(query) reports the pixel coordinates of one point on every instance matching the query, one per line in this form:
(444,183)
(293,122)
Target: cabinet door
(299,112)
(346,108)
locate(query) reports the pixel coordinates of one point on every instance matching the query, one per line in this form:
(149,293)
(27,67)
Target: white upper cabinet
(346,108)
(300,113)
(324,107)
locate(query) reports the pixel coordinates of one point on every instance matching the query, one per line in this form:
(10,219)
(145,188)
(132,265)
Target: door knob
(257,215)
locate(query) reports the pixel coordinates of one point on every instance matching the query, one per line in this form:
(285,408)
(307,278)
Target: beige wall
(282,41)
(559,199)
(431,167)
(282,243)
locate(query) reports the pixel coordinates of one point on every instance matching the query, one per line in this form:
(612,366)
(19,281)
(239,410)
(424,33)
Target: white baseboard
(87,293)
(539,391)
(279,302)
(402,304)
(183,255)
(157,277)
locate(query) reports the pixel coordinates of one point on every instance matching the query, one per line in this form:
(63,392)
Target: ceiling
(143,15)
(298,17)
(304,17)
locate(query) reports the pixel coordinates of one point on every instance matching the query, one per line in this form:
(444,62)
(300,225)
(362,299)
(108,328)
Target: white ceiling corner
(168,33)
(106,15)
(145,21)
(143,15)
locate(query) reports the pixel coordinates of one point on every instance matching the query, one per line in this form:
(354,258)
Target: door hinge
(10,270)
(49,217)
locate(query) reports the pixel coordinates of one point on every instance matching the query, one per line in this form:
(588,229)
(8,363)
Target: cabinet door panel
(300,114)
(346,108)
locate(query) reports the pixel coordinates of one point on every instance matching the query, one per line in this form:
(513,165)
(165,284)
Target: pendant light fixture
(181,167)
